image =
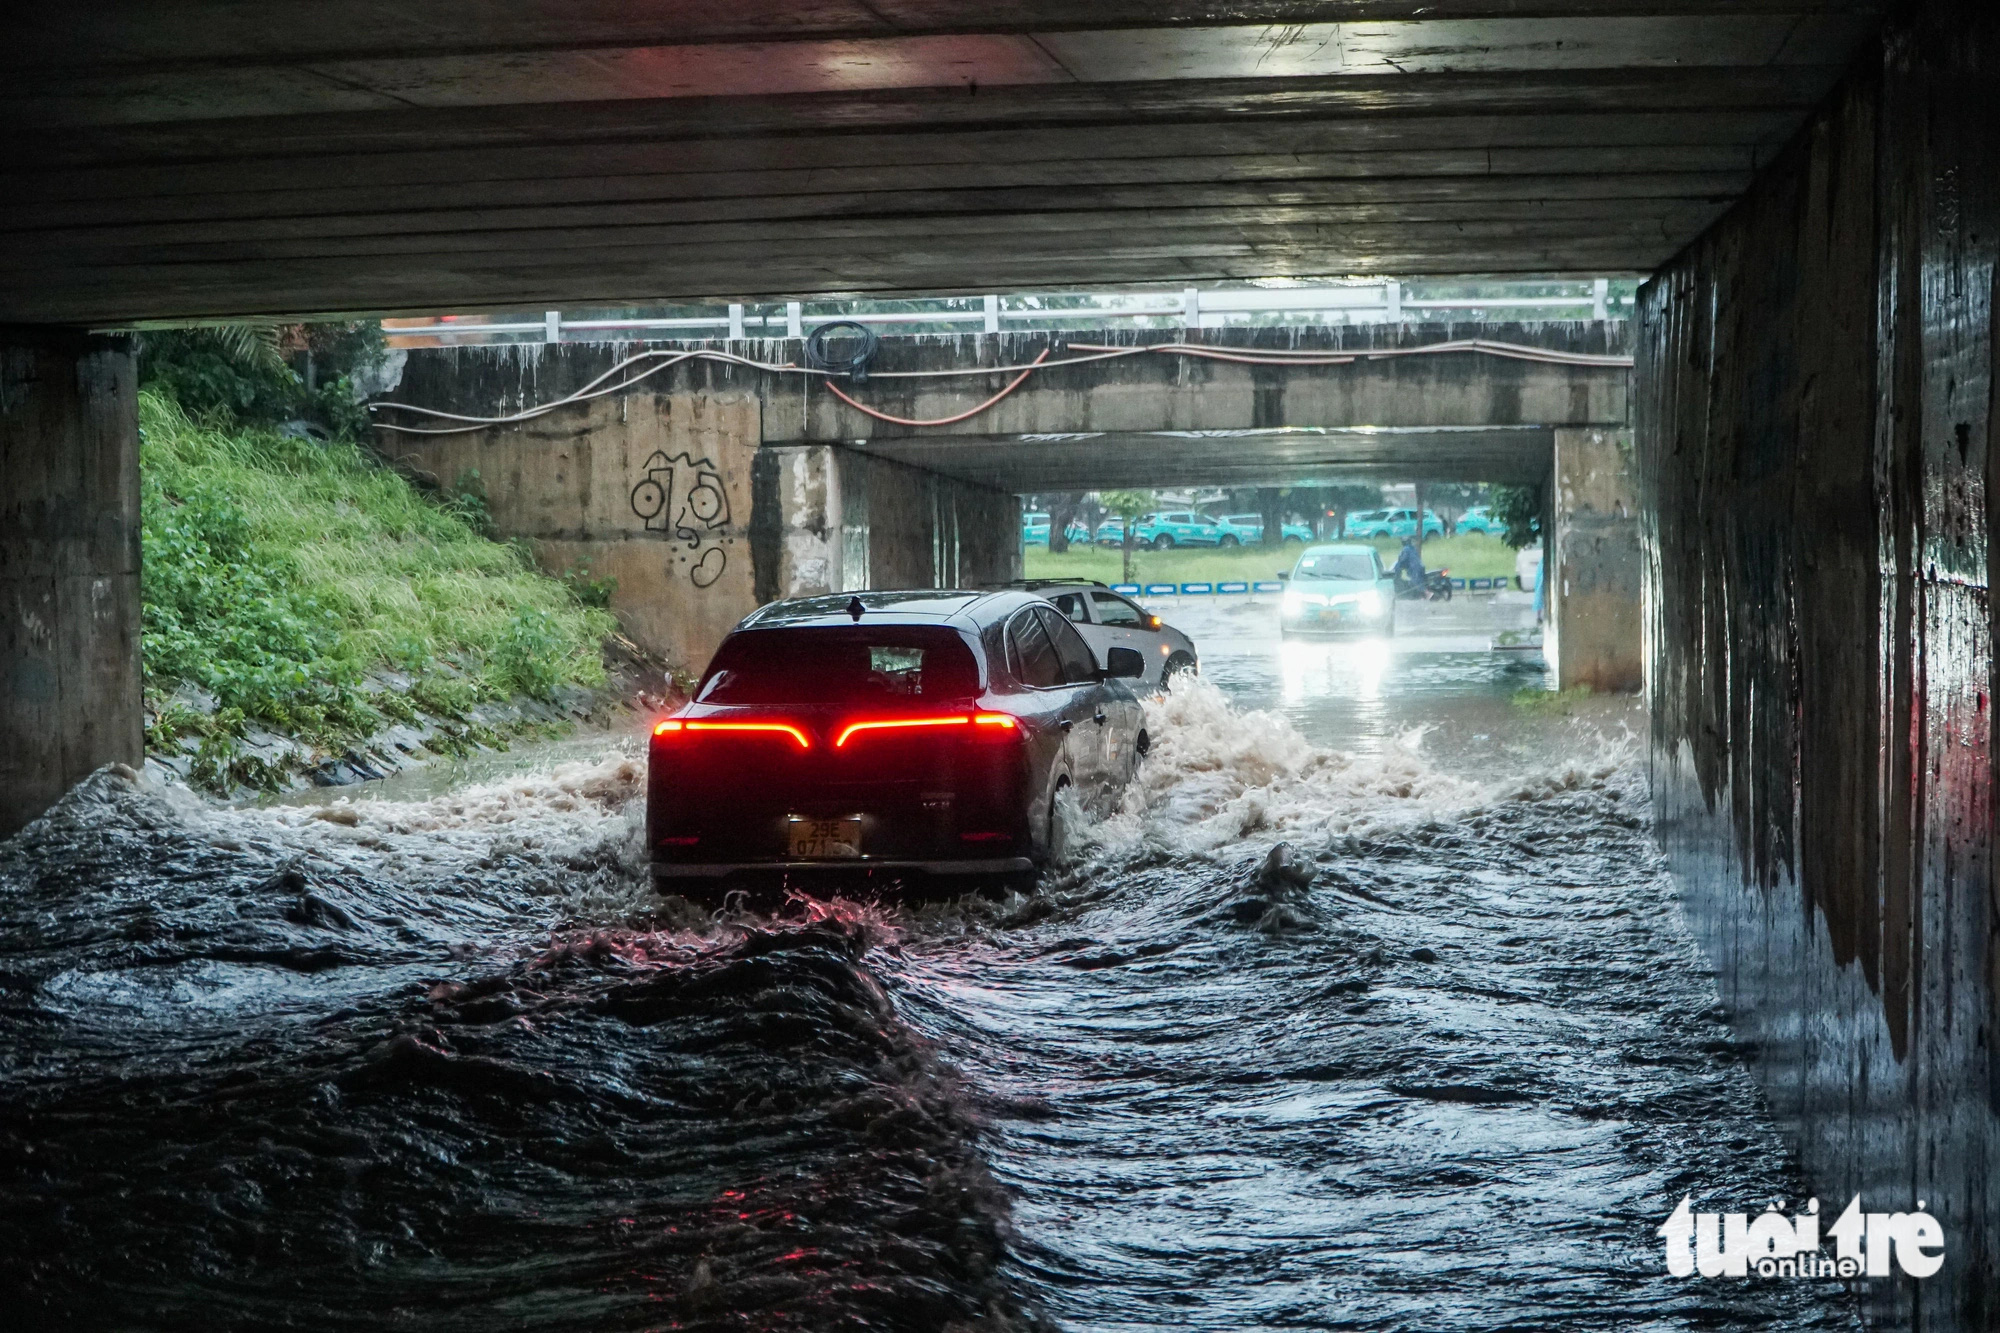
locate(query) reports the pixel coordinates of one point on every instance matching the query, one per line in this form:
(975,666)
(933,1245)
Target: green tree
(1337,502)
(1064,508)
(1520,508)
(1130,506)
(1452,498)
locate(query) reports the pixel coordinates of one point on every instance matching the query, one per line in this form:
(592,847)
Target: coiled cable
(820,356)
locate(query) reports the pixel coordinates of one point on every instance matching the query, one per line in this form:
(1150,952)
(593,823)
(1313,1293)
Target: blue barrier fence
(1227,589)
(1239,589)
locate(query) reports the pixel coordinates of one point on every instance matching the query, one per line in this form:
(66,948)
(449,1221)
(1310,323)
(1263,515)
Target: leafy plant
(1520,508)
(529,657)
(467,499)
(266,374)
(590,591)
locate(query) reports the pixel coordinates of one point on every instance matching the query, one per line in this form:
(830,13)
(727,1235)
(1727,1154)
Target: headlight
(1371,603)
(1292,603)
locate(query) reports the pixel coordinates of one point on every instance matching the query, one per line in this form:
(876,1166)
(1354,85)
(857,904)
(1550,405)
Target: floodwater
(1370,1009)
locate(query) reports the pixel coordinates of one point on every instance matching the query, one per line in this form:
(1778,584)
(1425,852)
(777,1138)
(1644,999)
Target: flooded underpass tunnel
(400,405)
(1369,1007)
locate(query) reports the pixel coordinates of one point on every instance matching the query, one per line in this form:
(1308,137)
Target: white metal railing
(1195,308)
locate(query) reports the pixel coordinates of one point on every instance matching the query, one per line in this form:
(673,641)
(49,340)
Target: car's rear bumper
(998,865)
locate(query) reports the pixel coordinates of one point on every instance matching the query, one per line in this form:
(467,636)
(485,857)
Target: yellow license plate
(824,839)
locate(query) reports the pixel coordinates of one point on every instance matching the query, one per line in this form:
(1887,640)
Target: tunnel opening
(1385,992)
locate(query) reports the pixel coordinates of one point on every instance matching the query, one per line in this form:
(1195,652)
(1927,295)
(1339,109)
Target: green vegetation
(280,570)
(1553,703)
(245,372)
(1520,508)
(1128,507)
(1474,556)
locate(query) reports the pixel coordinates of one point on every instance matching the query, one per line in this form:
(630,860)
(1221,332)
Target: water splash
(1221,778)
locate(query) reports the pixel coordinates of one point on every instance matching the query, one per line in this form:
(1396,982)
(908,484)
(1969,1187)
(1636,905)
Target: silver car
(1108,620)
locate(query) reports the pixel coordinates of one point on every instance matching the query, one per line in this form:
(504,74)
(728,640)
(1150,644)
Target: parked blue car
(1248,530)
(1392,523)
(1035,531)
(1182,527)
(1480,519)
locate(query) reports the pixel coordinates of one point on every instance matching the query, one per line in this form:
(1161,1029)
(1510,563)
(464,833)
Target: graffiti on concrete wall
(684,497)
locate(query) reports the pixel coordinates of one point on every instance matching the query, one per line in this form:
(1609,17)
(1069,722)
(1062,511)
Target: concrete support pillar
(70,696)
(806,497)
(842,520)
(1593,582)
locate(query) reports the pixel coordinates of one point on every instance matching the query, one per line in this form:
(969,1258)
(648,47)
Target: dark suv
(890,731)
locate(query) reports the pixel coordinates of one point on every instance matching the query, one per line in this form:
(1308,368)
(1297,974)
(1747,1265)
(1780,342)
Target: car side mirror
(1124,664)
(1284,573)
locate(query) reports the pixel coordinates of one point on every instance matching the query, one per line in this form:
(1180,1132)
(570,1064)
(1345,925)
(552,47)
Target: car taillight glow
(674,724)
(994,721)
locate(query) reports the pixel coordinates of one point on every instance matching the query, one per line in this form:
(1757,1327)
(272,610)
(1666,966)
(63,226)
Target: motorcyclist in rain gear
(1409,568)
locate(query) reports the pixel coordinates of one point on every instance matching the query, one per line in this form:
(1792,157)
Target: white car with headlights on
(1338,590)
(1110,620)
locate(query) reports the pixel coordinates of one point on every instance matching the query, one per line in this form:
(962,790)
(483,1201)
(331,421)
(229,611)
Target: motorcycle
(1436,587)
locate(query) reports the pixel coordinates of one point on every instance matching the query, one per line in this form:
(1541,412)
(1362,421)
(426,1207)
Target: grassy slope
(1474,556)
(279,572)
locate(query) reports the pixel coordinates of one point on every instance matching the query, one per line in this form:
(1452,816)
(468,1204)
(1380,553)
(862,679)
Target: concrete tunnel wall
(1816,379)
(672,492)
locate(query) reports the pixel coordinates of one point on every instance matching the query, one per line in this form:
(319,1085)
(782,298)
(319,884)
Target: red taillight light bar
(989,722)
(674,724)
(994,721)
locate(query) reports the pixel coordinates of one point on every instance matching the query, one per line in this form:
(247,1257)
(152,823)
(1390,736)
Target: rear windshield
(840,665)
(1343,565)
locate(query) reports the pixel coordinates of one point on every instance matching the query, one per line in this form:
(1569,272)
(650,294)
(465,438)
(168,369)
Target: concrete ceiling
(239,157)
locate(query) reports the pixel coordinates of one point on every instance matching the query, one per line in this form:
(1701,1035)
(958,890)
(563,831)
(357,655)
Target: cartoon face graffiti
(684,496)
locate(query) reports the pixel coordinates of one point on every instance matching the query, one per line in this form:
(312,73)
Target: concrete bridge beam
(70,694)
(1159,391)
